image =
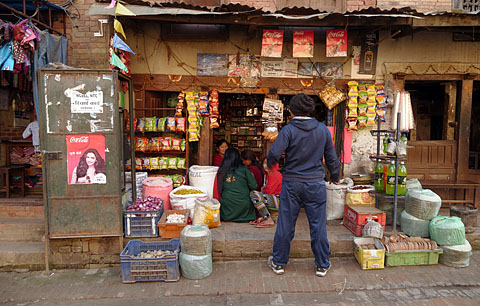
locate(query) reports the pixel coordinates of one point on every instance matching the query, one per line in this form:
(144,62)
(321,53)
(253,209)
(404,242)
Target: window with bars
(467,6)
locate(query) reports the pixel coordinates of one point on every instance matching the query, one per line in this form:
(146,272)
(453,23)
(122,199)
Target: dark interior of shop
(475,128)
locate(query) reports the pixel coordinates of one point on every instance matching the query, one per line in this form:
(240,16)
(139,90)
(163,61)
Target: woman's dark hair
(230,163)
(83,167)
(250,155)
(220,142)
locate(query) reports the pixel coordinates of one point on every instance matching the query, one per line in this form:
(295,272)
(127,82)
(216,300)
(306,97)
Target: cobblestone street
(252,283)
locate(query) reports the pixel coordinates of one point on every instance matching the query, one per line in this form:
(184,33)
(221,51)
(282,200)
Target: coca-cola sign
(81,139)
(336,43)
(272,43)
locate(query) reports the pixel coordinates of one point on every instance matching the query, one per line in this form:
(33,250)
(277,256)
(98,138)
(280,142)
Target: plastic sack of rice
(447,230)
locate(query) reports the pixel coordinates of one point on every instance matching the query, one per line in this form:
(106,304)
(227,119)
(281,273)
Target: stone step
(21,255)
(22,208)
(21,229)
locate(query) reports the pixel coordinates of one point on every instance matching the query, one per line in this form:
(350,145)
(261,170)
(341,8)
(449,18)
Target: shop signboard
(212,64)
(303,43)
(81,140)
(272,43)
(272,69)
(336,43)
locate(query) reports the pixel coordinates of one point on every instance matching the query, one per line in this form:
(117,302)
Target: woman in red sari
(222,146)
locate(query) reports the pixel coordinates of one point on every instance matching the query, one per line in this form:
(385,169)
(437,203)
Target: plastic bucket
(158,187)
(203,177)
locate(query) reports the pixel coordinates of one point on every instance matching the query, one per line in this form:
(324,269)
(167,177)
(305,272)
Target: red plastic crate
(360,214)
(353,227)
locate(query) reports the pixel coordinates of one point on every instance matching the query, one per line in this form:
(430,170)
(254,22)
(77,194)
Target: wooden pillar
(205,144)
(450,107)
(464,129)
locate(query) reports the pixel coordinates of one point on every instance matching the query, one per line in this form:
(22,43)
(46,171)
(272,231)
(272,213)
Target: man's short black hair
(301,105)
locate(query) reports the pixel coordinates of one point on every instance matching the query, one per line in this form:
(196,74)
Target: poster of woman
(86,159)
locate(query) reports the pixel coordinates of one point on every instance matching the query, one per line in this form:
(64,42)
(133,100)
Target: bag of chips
(161,124)
(180,125)
(176,144)
(141,144)
(154,163)
(170,124)
(151,124)
(172,163)
(138,163)
(214,123)
(183,144)
(352,124)
(166,144)
(179,107)
(146,163)
(362,122)
(181,163)
(203,103)
(141,125)
(155,144)
(362,109)
(163,163)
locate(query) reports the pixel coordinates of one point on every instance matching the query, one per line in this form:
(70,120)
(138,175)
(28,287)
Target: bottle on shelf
(391,147)
(390,190)
(379,169)
(385,143)
(402,146)
(402,179)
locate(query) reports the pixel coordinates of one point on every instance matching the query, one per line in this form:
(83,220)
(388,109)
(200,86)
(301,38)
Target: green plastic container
(412,258)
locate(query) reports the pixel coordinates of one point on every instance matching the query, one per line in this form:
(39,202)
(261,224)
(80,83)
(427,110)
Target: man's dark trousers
(312,196)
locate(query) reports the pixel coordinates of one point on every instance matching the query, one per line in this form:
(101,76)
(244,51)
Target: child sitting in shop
(250,161)
(269,198)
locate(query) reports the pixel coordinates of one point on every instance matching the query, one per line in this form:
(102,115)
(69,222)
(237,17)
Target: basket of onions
(141,217)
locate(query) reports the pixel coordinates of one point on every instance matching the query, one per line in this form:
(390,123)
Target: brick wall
(355,5)
(421,6)
(84,50)
(266,5)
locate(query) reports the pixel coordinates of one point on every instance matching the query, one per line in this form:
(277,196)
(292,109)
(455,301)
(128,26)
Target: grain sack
(423,204)
(336,194)
(414,184)
(207,212)
(447,230)
(413,226)
(196,240)
(360,195)
(195,267)
(184,197)
(457,256)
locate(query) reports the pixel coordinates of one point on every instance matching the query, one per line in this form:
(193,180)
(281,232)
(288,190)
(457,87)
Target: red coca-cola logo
(82,139)
(272,34)
(335,34)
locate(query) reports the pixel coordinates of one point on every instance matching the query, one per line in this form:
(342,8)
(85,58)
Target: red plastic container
(158,187)
(355,228)
(360,214)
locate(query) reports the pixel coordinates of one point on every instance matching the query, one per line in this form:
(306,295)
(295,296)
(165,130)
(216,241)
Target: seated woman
(232,187)
(250,161)
(269,198)
(222,146)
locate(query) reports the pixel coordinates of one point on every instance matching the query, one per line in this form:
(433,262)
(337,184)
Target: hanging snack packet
(381,114)
(138,163)
(154,163)
(352,124)
(214,123)
(362,109)
(128,164)
(179,107)
(193,136)
(155,144)
(379,89)
(371,90)
(381,101)
(371,101)
(172,163)
(362,122)
(353,89)
(362,87)
(203,103)
(161,124)
(146,163)
(170,124)
(180,128)
(370,119)
(163,163)
(139,146)
(176,144)
(352,112)
(141,125)
(150,124)
(166,144)
(181,163)
(182,145)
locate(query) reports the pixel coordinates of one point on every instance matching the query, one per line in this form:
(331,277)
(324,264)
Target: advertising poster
(272,43)
(86,159)
(303,43)
(212,64)
(272,69)
(290,66)
(336,43)
(332,70)
(245,66)
(305,70)
(368,55)
(272,110)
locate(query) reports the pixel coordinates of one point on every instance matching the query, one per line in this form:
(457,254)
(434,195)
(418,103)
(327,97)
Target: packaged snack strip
(352,112)
(154,163)
(181,163)
(128,164)
(166,144)
(353,92)
(146,163)
(362,122)
(170,125)
(362,109)
(353,83)
(138,164)
(352,124)
(176,144)
(180,125)
(163,163)
(203,103)
(379,88)
(150,124)
(141,125)
(371,120)
(352,102)
(149,147)
(214,123)
(183,144)
(172,163)
(181,100)
(371,110)
(371,89)
(193,136)
(381,114)
(362,87)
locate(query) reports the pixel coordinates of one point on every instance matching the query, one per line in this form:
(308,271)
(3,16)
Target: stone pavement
(251,282)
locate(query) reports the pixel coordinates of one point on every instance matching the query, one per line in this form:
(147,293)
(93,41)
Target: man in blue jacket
(305,142)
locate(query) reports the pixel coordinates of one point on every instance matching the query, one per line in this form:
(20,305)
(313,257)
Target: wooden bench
(470,190)
(6,172)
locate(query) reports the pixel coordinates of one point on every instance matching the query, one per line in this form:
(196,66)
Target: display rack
(379,132)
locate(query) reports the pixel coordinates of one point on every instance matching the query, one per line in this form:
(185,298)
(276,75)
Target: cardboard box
(369,259)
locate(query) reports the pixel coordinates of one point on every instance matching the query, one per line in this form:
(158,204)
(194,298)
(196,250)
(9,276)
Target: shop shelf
(172,230)
(164,269)
(376,132)
(386,158)
(141,223)
(413,258)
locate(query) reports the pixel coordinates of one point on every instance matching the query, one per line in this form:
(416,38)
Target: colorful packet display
(138,164)
(161,124)
(362,122)
(181,163)
(170,124)
(352,124)
(203,103)
(163,163)
(214,113)
(150,124)
(172,163)
(179,107)
(154,163)
(180,128)
(146,163)
(166,144)
(183,145)
(176,144)
(140,125)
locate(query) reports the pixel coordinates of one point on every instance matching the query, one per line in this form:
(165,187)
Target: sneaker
(277,269)
(321,271)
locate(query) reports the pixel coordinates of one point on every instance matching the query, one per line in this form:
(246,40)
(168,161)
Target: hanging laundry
(6,57)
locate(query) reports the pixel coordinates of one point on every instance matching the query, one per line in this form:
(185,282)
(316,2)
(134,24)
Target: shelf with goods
(241,123)
(22,153)
(389,158)
(160,145)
